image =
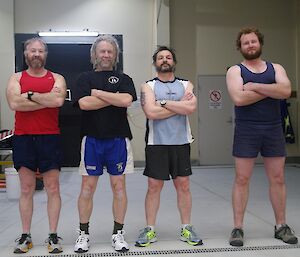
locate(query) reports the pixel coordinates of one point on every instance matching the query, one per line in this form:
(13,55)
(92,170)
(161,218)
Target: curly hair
(249,30)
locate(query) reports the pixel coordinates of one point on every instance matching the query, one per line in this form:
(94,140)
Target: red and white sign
(215,99)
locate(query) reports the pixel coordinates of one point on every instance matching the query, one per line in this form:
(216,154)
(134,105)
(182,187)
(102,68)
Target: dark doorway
(69,60)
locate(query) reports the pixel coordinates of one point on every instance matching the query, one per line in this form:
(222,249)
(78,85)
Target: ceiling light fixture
(83,33)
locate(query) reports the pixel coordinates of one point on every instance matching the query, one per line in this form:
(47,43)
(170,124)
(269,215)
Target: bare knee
(87,191)
(277,179)
(182,184)
(119,189)
(155,187)
(52,188)
(27,189)
(242,181)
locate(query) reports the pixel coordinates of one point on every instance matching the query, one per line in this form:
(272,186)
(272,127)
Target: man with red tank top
(35,95)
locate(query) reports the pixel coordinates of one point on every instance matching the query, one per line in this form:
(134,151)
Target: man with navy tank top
(167,101)
(256,87)
(35,95)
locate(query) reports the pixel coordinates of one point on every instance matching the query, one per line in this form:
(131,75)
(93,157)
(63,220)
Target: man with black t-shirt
(104,95)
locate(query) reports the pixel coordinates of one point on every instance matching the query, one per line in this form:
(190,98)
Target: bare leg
(240,192)
(51,182)
(85,200)
(275,171)
(27,182)
(184,198)
(119,198)
(152,200)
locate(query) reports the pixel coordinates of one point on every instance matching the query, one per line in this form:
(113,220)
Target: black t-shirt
(110,121)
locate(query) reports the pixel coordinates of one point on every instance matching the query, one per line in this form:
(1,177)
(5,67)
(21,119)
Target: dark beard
(253,56)
(165,70)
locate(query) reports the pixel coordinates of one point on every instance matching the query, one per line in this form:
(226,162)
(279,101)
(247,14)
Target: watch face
(29,95)
(163,102)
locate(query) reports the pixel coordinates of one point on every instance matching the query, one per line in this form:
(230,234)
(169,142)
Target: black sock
(23,237)
(53,237)
(117,226)
(84,227)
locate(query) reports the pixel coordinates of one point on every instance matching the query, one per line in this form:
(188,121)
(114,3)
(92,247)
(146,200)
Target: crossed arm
(154,111)
(18,101)
(100,99)
(250,92)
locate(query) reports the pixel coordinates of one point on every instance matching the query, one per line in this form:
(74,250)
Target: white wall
(134,19)
(163,22)
(7,60)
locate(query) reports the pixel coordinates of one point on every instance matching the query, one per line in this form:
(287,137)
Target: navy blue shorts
(249,140)
(165,161)
(37,152)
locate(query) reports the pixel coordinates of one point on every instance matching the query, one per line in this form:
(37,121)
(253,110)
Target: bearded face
(164,62)
(250,48)
(105,56)
(35,55)
(165,67)
(104,63)
(251,54)
(35,62)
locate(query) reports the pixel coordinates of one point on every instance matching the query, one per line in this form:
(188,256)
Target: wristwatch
(29,95)
(163,103)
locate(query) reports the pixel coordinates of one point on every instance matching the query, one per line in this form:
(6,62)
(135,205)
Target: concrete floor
(211,216)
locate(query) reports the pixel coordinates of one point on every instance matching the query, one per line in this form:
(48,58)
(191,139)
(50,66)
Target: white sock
(183,226)
(151,227)
(278,226)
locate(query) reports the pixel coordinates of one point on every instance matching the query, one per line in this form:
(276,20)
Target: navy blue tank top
(265,111)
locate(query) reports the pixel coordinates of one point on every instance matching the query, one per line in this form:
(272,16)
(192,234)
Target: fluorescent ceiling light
(68,34)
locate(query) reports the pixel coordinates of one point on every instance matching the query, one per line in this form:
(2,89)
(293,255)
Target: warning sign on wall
(215,99)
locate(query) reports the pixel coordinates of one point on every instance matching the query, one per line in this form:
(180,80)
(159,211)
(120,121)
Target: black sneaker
(286,234)
(53,243)
(24,243)
(237,237)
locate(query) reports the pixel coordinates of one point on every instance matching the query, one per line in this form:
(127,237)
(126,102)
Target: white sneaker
(82,243)
(118,242)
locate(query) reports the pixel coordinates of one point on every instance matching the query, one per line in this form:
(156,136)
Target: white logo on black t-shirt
(113,80)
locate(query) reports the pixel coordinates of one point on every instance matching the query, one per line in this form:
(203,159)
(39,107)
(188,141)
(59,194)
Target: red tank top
(44,121)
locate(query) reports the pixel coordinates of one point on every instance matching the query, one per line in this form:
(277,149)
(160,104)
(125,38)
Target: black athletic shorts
(165,161)
(249,140)
(37,152)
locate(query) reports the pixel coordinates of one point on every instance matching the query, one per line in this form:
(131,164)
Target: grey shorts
(165,161)
(249,140)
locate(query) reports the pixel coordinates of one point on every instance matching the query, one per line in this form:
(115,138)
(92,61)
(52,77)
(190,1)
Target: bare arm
(186,105)
(90,103)
(116,99)
(279,90)
(16,100)
(100,99)
(239,96)
(54,98)
(150,108)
